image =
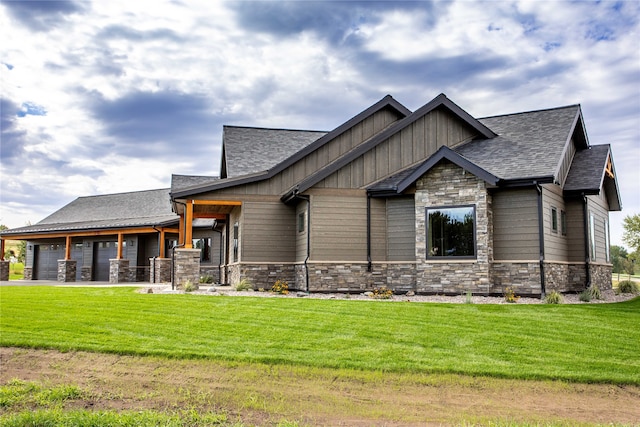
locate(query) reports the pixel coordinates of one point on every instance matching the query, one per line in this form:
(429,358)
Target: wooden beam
(162,245)
(44,235)
(217,202)
(209,215)
(188,232)
(67,249)
(2,249)
(610,168)
(120,240)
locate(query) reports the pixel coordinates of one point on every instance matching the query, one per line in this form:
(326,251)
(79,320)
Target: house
(430,201)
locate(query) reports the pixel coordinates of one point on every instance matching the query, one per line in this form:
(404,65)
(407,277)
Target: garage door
(47,257)
(104,251)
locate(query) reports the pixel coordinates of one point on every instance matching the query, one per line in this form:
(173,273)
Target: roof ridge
(531,111)
(275,129)
(124,192)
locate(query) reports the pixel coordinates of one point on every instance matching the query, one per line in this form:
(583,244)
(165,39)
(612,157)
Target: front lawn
(581,343)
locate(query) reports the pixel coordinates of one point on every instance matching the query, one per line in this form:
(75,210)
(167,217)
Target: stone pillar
(161,271)
(28,273)
(86,273)
(118,269)
(67,270)
(187,266)
(4,270)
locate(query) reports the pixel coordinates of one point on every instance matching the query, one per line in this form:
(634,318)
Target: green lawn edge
(587,343)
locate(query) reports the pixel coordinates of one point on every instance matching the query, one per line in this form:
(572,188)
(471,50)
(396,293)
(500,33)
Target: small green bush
(190,286)
(381,293)
(628,287)
(243,285)
(554,297)
(510,295)
(468,299)
(585,296)
(206,279)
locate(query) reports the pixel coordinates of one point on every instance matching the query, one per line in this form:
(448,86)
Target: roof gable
(591,172)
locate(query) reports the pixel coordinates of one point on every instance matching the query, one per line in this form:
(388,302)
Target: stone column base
(118,269)
(187,266)
(161,270)
(4,270)
(67,270)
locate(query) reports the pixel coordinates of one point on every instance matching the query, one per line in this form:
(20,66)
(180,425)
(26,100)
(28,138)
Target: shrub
(468,299)
(594,292)
(381,293)
(554,297)
(628,287)
(244,285)
(190,286)
(280,287)
(206,279)
(510,295)
(585,296)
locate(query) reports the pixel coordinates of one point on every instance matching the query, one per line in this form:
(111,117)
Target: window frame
(554,220)
(592,236)
(302,219)
(563,222)
(451,257)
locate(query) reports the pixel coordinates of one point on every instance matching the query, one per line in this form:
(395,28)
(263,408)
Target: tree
(631,234)
(618,257)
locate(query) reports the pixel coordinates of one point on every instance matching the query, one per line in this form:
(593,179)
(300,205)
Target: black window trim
(475,234)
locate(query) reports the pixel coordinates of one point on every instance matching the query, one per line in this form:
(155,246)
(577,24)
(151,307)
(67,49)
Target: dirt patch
(264,395)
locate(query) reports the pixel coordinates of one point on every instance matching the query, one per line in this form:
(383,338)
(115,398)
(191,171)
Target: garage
(103,252)
(47,256)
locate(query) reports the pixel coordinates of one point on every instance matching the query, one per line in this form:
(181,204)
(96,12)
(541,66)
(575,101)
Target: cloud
(42,15)
(13,138)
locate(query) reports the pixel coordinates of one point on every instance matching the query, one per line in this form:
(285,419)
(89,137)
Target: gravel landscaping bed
(608,296)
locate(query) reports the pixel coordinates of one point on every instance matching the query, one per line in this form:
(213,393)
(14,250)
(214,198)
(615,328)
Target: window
(606,241)
(592,236)
(554,219)
(451,232)
(301,221)
(236,233)
(563,222)
(204,245)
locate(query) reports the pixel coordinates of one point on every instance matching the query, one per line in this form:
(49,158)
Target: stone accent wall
(67,270)
(118,270)
(4,270)
(86,273)
(564,277)
(601,275)
(449,185)
(187,266)
(28,273)
(209,270)
(138,274)
(523,277)
(263,276)
(162,269)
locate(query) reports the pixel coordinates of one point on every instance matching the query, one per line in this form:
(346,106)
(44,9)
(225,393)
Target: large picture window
(451,232)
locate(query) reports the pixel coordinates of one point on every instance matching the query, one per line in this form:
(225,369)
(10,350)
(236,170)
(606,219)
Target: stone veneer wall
(210,270)
(523,277)
(118,270)
(601,275)
(67,270)
(262,276)
(86,273)
(4,270)
(449,185)
(564,277)
(161,270)
(28,273)
(187,266)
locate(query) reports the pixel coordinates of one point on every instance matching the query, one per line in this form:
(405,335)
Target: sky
(115,96)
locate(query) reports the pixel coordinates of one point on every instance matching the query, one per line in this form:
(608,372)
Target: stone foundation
(263,276)
(4,270)
(138,274)
(118,270)
(213,271)
(86,273)
(67,270)
(522,277)
(187,266)
(161,270)
(564,277)
(28,273)
(453,278)
(601,275)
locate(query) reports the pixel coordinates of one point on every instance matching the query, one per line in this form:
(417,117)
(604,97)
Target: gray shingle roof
(180,182)
(528,144)
(122,210)
(588,169)
(249,150)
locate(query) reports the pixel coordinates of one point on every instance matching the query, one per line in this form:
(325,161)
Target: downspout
(179,245)
(307,198)
(213,228)
(587,252)
(543,290)
(369,264)
(153,269)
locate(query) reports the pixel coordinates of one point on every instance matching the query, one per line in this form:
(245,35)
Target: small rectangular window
(606,241)
(236,238)
(563,222)
(554,219)
(592,237)
(451,232)
(301,221)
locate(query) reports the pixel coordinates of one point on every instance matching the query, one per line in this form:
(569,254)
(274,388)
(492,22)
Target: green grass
(580,343)
(16,271)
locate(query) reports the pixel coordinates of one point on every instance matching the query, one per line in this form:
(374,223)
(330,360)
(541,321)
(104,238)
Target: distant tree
(618,257)
(22,251)
(3,227)
(631,234)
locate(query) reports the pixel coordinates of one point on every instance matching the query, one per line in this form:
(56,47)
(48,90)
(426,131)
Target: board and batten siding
(269,231)
(413,144)
(515,225)
(401,229)
(575,230)
(339,227)
(301,235)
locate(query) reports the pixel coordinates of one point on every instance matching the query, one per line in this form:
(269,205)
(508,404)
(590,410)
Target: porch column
(4,264)
(67,248)
(120,240)
(188,232)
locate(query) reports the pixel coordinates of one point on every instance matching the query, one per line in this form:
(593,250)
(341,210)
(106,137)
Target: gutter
(543,289)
